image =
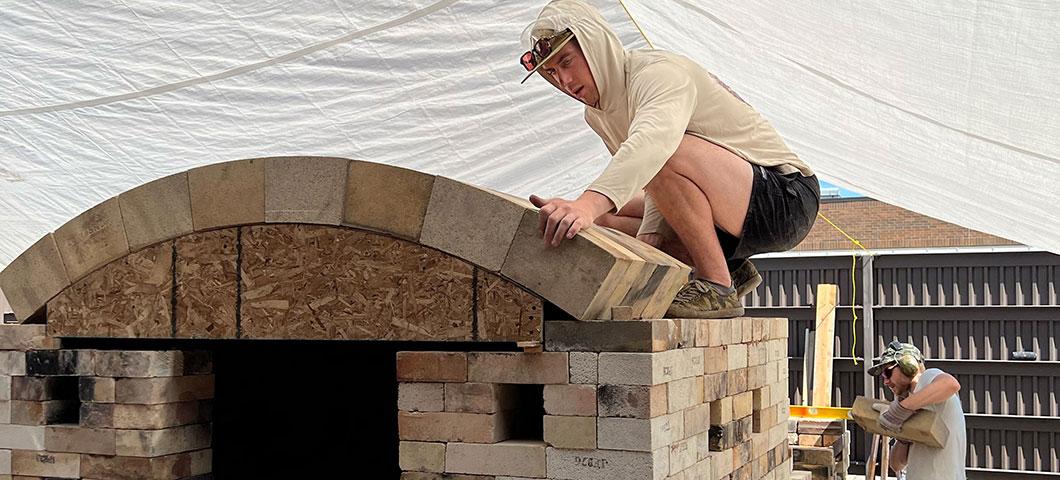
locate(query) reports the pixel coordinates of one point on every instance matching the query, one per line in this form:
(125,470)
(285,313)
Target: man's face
(569,71)
(894,379)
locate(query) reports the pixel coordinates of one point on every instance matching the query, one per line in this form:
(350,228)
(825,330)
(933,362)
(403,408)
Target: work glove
(894,415)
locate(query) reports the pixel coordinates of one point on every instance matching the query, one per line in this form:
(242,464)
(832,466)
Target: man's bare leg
(700,186)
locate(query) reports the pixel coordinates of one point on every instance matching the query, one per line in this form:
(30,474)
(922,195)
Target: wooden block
(594,272)
(169,467)
(452,427)
(206,284)
(305,189)
(77,439)
(632,401)
(144,417)
(163,389)
(156,211)
(96,389)
(824,339)
(924,427)
(570,432)
(387,199)
(516,457)
(34,277)
(506,312)
(421,456)
(454,223)
(432,366)
(92,239)
(606,464)
(131,297)
(18,339)
(577,400)
(42,412)
(524,368)
(45,464)
(479,397)
(298,284)
(227,194)
(167,441)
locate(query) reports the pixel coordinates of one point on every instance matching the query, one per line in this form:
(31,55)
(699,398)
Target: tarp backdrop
(947,108)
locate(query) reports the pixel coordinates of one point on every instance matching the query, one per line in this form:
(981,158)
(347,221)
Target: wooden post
(824,344)
(807,368)
(870,466)
(885,457)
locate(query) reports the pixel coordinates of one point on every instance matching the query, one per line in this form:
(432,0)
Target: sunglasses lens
(528,61)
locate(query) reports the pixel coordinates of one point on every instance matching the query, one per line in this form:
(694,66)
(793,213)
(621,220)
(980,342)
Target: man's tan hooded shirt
(648,100)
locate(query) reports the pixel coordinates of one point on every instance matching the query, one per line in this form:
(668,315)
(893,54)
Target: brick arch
(285,213)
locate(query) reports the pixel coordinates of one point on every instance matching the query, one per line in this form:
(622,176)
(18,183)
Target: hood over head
(599,43)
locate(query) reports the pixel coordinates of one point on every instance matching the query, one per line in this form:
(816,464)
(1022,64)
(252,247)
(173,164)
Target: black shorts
(781,212)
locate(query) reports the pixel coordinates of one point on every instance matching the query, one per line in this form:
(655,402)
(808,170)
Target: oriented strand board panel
(206,284)
(305,189)
(387,199)
(315,282)
(579,276)
(506,312)
(92,239)
(156,211)
(130,297)
(227,194)
(34,277)
(470,222)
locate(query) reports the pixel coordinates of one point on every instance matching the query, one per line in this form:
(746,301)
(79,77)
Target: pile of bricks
(101,414)
(639,399)
(820,447)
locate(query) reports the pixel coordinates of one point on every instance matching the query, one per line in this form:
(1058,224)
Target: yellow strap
(635,24)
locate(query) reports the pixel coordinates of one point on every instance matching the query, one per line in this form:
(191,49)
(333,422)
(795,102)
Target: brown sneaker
(745,278)
(698,299)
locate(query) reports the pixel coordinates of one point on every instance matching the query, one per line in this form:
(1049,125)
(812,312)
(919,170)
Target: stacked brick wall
(878,225)
(641,399)
(95,414)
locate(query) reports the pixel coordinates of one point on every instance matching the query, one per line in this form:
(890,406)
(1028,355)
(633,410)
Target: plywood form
(308,282)
(387,199)
(206,284)
(129,297)
(305,189)
(92,239)
(505,311)
(227,194)
(34,277)
(156,211)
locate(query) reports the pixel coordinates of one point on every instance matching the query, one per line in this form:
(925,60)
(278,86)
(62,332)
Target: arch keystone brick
(305,189)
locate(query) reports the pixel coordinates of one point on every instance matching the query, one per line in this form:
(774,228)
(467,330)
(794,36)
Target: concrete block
(167,441)
(92,239)
(566,464)
(632,401)
(95,389)
(43,388)
(479,397)
(59,362)
(28,412)
(168,467)
(20,338)
(421,456)
(5,411)
(454,223)
(596,274)
(13,362)
(421,397)
(577,400)
(45,464)
(144,417)
(640,435)
(715,360)
(432,366)
(721,411)
(139,364)
(77,439)
(163,389)
(583,367)
(742,404)
(33,278)
(682,455)
(22,437)
(714,332)
(650,368)
(305,189)
(737,356)
(570,432)
(613,336)
(5,387)
(684,393)
(697,419)
(737,380)
(452,427)
(514,457)
(227,194)
(516,367)
(387,199)
(157,210)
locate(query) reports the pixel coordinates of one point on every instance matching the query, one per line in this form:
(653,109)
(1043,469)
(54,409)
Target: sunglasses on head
(542,48)
(886,373)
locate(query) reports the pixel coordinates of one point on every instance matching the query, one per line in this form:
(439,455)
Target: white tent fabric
(948,108)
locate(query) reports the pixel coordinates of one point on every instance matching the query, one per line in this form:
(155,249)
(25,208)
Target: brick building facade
(878,225)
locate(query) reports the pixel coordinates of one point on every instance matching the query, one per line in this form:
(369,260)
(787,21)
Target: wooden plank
(807,367)
(824,348)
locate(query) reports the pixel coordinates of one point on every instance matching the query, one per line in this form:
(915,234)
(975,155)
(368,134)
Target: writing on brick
(591,462)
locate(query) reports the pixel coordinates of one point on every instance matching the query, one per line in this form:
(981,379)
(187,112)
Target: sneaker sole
(746,287)
(681,312)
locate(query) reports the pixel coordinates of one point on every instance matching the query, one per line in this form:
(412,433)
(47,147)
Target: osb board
(206,284)
(506,312)
(129,297)
(319,282)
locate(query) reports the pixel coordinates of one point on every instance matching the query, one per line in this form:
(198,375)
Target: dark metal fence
(968,313)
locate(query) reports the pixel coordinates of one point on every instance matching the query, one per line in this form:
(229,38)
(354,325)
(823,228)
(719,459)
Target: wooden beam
(824,344)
